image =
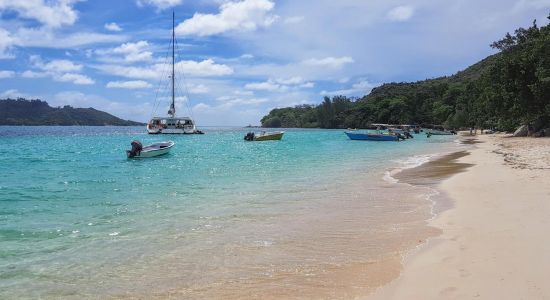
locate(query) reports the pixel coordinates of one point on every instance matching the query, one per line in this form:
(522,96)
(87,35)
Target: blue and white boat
(370,136)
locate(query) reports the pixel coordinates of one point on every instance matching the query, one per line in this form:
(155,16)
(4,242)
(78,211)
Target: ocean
(315,215)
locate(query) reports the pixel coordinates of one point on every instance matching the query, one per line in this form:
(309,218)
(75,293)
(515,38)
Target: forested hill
(36,112)
(502,91)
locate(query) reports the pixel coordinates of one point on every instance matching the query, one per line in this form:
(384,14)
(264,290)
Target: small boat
(369,136)
(264,136)
(156,149)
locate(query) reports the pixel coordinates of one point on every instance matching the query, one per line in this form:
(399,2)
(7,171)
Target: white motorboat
(156,149)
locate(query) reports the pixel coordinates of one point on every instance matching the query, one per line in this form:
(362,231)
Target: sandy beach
(494,242)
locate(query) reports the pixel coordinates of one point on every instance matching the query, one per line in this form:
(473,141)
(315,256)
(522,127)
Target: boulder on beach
(521,131)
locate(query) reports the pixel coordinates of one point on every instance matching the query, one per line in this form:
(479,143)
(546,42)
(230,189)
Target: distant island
(502,91)
(36,112)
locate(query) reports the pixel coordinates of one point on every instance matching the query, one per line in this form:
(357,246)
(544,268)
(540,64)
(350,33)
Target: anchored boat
(370,136)
(156,149)
(264,136)
(172,124)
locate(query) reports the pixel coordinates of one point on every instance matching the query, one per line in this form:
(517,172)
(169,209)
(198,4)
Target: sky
(236,60)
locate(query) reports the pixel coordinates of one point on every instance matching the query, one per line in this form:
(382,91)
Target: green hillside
(36,112)
(502,91)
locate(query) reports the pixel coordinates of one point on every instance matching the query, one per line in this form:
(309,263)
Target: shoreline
(457,263)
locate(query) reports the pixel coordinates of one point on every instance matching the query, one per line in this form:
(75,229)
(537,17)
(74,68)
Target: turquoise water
(78,219)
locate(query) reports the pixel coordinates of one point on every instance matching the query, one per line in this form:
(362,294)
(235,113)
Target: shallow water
(217,217)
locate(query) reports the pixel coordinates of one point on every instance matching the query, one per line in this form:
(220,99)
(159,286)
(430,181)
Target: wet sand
(495,242)
(432,172)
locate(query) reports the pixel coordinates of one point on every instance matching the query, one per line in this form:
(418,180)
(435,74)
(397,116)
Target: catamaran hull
(371,137)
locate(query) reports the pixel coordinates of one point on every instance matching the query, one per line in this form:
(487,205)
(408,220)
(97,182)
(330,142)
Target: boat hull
(153,150)
(371,136)
(269,137)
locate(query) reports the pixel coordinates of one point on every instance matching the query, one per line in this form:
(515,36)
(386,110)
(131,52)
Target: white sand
(496,240)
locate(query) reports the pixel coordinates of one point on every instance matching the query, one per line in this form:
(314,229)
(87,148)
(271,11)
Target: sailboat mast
(173,65)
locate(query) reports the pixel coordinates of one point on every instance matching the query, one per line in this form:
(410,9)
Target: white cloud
(243,93)
(206,67)
(159,4)
(46,38)
(279,84)
(263,86)
(6,74)
(332,62)
(133,84)
(61,70)
(56,65)
(247,56)
(50,13)
(198,89)
(246,15)
(203,68)
(401,13)
(289,81)
(6,41)
(33,74)
(130,52)
(112,26)
(74,78)
(360,88)
(14,94)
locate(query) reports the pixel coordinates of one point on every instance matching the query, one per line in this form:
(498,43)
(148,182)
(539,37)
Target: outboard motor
(136,149)
(249,136)
(400,136)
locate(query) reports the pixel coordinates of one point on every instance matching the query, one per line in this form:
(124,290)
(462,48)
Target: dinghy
(264,136)
(156,149)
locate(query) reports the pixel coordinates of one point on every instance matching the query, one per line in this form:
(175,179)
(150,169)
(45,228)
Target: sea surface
(315,215)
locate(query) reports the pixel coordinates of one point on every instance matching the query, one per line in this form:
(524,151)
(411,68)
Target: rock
(521,131)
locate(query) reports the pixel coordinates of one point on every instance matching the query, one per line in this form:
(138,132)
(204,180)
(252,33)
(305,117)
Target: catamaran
(172,124)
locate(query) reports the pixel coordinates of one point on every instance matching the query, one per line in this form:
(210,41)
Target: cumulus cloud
(6,42)
(132,84)
(360,88)
(263,86)
(61,70)
(46,38)
(112,27)
(401,13)
(279,84)
(129,52)
(14,94)
(203,68)
(159,4)
(246,15)
(198,89)
(53,14)
(6,74)
(331,62)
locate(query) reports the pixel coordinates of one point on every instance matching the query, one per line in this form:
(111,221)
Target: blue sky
(240,58)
